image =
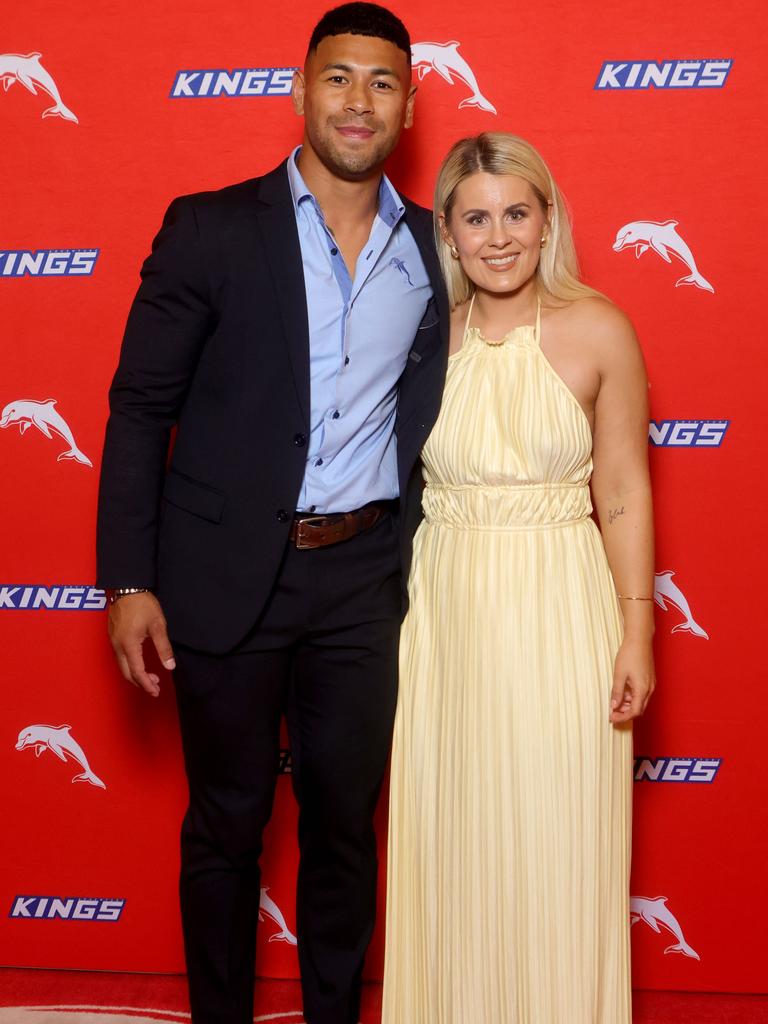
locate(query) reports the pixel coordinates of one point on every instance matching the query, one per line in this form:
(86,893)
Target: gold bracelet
(621,597)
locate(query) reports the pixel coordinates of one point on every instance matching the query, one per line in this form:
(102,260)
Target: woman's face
(497,225)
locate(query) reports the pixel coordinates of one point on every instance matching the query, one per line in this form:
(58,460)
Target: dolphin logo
(664,239)
(656,914)
(445,59)
(26,413)
(268,908)
(665,590)
(27,69)
(59,741)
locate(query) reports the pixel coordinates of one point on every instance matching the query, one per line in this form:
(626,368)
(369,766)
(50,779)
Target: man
(293,328)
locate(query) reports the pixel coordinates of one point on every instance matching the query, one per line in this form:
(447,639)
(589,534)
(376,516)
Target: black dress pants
(325,651)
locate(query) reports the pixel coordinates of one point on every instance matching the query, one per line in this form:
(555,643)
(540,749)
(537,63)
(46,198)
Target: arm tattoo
(614,514)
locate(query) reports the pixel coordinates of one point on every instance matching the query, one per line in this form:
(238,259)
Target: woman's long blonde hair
(557,274)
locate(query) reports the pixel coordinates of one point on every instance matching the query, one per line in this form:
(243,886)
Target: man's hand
(132,619)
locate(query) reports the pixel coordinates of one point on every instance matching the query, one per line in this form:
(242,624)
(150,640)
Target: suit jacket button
(299,440)
(282,515)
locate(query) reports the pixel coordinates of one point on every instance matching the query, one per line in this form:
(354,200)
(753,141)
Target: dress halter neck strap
(469,314)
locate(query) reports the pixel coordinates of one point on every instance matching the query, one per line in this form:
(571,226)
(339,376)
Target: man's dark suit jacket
(217,344)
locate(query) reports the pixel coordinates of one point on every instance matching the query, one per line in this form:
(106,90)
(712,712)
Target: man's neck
(344,203)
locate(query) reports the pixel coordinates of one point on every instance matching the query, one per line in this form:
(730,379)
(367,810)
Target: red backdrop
(689,148)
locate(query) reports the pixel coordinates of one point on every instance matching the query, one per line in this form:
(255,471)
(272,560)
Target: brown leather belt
(311,531)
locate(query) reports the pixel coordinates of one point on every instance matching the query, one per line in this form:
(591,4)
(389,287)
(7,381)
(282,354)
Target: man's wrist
(115,593)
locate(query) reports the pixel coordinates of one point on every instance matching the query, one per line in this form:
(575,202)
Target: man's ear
(409,106)
(297,93)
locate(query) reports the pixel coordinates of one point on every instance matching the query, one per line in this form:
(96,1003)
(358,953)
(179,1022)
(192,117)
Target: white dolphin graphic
(664,239)
(665,590)
(445,59)
(27,69)
(26,413)
(268,908)
(655,914)
(59,741)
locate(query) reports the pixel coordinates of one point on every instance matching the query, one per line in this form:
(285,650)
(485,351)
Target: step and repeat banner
(652,120)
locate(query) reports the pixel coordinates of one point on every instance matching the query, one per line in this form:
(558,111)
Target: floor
(78,997)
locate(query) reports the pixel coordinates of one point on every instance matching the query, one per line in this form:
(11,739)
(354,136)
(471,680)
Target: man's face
(356,97)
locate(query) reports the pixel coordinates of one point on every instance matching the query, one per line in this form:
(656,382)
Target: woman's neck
(496,313)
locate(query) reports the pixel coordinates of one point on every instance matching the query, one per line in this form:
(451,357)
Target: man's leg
(342,710)
(229,713)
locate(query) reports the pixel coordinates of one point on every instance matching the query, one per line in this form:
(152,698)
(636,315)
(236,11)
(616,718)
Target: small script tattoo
(614,514)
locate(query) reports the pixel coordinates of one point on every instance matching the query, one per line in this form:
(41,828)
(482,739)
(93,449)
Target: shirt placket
(330,435)
(322,455)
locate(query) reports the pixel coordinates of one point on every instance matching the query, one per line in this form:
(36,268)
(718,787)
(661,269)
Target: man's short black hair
(361,19)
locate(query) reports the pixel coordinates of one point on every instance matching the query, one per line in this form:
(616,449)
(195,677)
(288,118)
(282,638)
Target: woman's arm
(621,491)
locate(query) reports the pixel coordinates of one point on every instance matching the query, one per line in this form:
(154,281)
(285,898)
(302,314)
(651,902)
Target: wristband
(118,592)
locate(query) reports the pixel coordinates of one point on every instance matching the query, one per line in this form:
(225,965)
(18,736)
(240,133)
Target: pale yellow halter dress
(509,829)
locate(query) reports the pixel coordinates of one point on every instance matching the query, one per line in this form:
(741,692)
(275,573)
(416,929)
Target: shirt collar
(391,208)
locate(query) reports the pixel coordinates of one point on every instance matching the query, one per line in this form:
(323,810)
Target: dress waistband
(519,507)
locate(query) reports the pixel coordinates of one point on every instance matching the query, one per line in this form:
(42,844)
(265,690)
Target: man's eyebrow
(349,69)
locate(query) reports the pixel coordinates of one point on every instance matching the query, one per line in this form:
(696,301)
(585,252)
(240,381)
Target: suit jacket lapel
(420,226)
(276,222)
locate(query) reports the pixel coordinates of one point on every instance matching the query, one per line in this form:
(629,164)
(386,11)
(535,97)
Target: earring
(543,241)
(454,251)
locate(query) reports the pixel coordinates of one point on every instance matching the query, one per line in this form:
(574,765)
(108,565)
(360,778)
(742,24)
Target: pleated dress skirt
(510,812)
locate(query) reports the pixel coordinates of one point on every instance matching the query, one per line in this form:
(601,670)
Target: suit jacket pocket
(199,499)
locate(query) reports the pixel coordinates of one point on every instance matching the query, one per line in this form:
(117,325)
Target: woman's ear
(547,231)
(444,232)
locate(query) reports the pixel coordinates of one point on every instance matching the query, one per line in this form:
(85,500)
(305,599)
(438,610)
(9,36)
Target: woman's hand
(634,680)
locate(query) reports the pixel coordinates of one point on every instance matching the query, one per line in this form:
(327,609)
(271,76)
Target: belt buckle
(301,544)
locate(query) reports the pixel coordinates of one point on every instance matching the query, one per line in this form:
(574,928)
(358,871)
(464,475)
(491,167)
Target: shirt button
(334,252)
(282,516)
(299,440)
(319,462)
(346,361)
(336,414)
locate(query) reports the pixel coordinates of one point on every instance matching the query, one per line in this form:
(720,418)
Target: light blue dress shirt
(360,333)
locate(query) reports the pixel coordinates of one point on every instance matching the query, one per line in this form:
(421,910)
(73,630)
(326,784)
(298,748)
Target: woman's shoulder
(594,321)
(602,331)
(594,314)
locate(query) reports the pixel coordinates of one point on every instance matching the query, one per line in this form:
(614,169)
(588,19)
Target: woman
(526,652)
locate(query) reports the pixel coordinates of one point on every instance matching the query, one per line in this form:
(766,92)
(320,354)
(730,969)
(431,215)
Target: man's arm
(166,330)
